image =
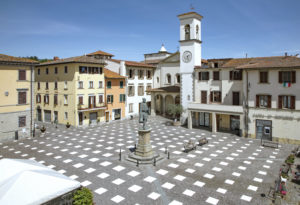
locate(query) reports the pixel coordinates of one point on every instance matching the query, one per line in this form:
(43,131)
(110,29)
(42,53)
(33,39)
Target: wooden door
(80,118)
(107,116)
(236,98)
(204,97)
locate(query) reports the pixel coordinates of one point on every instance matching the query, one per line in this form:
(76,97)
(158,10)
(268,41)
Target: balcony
(218,108)
(91,107)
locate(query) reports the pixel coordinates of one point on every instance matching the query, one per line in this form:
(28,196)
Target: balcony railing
(92,106)
(237,109)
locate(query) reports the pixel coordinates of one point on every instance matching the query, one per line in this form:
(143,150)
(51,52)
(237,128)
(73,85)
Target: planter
(43,129)
(176,123)
(68,125)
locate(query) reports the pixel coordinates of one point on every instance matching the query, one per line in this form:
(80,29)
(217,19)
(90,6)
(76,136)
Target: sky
(130,28)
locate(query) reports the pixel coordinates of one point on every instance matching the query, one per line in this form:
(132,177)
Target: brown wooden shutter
(293,76)
(37,98)
(241,74)
(207,75)
(101,99)
(269,101)
(22,75)
(211,96)
(44,98)
(257,100)
(279,102)
(293,99)
(280,76)
(220,97)
(230,75)
(199,76)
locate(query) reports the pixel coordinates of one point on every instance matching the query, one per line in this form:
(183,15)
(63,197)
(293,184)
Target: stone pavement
(227,170)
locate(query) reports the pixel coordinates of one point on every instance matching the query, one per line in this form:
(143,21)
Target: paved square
(227,170)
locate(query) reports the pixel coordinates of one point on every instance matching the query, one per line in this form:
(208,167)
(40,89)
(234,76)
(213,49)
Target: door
(55,116)
(93,118)
(235,124)
(107,116)
(204,97)
(264,129)
(47,115)
(117,114)
(80,116)
(204,119)
(39,115)
(92,101)
(235,98)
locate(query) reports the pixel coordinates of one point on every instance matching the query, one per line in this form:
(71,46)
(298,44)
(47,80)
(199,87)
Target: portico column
(163,105)
(153,104)
(214,122)
(190,121)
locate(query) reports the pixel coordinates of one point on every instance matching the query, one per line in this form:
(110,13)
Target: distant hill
(42,60)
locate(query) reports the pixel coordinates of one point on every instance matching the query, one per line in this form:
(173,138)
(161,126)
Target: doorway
(47,114)
(39,115)
(116,114)
(235,98)
(93,118)
(264,129)
(107,116)
(80,116)
(204,119)
(204,97)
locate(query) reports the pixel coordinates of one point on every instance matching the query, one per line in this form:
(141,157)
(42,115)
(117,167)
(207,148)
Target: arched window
(177,76)
(197,31)
(187,30)
(168,79)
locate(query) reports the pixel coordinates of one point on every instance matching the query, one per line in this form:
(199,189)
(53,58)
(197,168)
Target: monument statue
(144,111)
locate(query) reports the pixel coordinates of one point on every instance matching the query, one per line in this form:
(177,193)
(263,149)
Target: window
(22,121)
(55,70)
(187,32)
(157,79)
(203,75)
(286,102)
(46,99)
(65,99)
(149,75)
(141,90)
(38,85)
(100,84)
(130,107)
(149,87)
(80,100)
(121,84)
(168,79)
(108,84)
(80,85)
(38,98)
(82,69)
(216,65)
(236,75)
(110,98)
(141,74)
(55,85)
(66,85)
(22,74)
(101,98)
(66,69)
(131,90)
(47,86)
(131,73)
(287,77)
(215,96)
(263,101)
(66,115)
(100,69)
(22,97)
(263,77)
(177,78)
(216,75)
(39,71)
(122,97)
(47,71)
(91,83)
(55,99)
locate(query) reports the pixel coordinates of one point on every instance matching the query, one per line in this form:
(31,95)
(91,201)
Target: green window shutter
(124,97)
(112,98)
(120,97)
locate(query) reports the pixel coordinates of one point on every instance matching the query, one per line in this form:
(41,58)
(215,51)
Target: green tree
(175,110)
(83,196)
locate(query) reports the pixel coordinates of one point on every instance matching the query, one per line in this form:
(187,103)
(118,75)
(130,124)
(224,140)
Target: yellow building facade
(70,91)
(16,90)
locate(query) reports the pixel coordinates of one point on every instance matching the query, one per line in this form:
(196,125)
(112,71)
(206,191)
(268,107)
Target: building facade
(16,104)
(71,91)
(115,95)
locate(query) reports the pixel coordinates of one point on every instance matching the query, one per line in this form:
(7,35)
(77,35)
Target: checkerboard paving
(227,170)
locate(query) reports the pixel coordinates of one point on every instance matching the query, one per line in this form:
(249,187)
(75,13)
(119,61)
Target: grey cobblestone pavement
(227,170)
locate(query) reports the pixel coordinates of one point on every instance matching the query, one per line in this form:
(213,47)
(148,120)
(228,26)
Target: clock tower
(190,56)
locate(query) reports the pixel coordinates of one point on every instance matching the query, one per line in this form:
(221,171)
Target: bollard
(135,146)
(154,162)
(168,155)
(166,150)
(137,162)
(120,155)
(16,135)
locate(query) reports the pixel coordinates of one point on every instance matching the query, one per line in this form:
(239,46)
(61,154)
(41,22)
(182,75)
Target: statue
(144,111)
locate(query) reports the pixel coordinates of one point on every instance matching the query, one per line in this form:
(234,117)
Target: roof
(134,63)
(156,61)
(12,59)
(78,59)
(190,13)
(110,74)
(100,53)
(171,89)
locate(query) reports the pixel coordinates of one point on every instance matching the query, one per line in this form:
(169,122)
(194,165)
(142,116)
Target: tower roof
(190,14)
(163,49)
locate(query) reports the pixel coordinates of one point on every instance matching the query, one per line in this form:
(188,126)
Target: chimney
(55,58)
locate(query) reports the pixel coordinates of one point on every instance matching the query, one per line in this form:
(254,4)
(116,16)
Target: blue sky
(130,28)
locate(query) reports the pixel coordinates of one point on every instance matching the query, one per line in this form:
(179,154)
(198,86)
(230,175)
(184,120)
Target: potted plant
(68,125)
(83,196)
(290,159)
(43,129)
(175,110)
(98,120)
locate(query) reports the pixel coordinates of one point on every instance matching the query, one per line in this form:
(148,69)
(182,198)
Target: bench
(190,145)
(267,143)
(202,141)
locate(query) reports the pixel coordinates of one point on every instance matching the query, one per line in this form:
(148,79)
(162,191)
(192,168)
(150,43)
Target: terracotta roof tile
(133,63)
(78,59)
(100,53)
(110,74)
(6,58)
(172,89)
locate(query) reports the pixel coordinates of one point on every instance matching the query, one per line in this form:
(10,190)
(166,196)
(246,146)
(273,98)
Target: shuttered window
(286,102)
(22,74)
(236,75)
(263,77)
(55,99)
(287,76)
(203,75)
(22,97)
(264,101)
(100,98)
(22,121)
(215,96)
(216,75)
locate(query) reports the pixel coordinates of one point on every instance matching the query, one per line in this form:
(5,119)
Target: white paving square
(118,168)
(252,188)
(78,165)
(153,195)
(179,177)
(89,170)
(188,192)
(150,179)
(103,175)
(118,181)
(246,198)
(100,190)
(168,185)
(133,173)
(135,188)
(117,199)
(174,202)
(190,170)
(222,191)
(228,181)
(106,163)
(173,165)
(212,200)
(162,172)
(209,176)
(86,183)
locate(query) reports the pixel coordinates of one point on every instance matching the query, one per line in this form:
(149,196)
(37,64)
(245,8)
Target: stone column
(190,121)
(242,126)
(153,104)
(163,98)
(214,122)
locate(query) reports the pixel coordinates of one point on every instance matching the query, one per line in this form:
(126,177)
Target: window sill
(22,104)
(65,104)
(22,80)
(65,88)
(263,83)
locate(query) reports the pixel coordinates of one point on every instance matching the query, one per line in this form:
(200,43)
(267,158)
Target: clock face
(186,56)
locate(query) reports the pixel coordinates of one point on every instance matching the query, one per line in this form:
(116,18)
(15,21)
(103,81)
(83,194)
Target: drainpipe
(31,98)
(247,105)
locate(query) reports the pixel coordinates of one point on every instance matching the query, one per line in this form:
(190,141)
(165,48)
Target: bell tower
(190,56)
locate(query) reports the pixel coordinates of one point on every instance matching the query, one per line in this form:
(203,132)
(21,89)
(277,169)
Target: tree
(175,110)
